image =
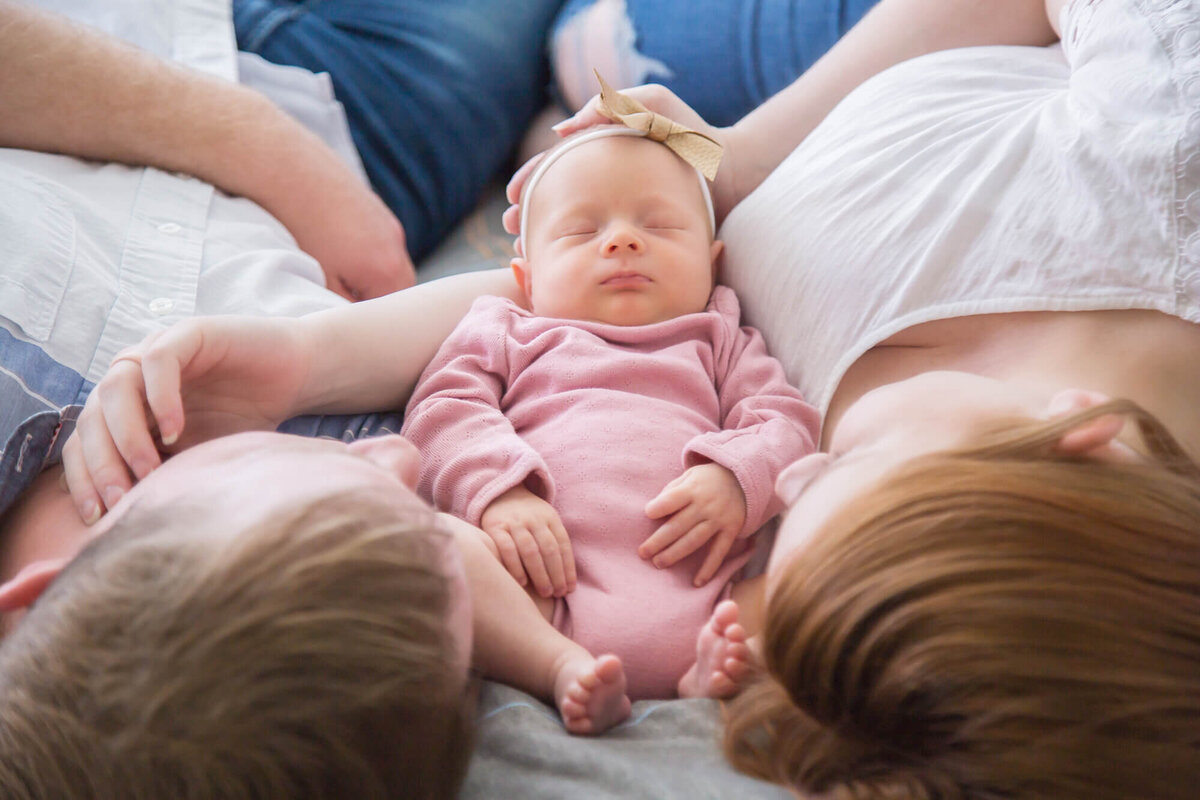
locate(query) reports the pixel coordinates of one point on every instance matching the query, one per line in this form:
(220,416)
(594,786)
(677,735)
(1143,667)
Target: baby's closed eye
(663,222)
(578,229)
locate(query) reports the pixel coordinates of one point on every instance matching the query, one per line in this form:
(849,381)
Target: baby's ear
(1093,437)
(521,272)
(21,591)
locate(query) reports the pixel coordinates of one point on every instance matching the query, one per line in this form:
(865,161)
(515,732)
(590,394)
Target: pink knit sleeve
(470,454)
(766,423)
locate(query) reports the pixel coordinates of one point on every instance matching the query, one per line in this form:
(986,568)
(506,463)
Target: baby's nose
(623,238)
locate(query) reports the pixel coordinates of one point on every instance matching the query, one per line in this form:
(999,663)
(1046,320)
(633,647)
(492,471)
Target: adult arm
(66,88)
(212,376)
(892,32)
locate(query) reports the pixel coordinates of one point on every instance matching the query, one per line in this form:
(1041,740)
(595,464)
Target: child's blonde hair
(305,658)
(1002,622)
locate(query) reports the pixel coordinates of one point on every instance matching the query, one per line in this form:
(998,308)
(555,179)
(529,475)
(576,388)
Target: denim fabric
(33,387)
(723,57)
(437,94)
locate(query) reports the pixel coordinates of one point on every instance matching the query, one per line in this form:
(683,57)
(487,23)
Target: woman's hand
(659,99)
(198,380)
(532,541)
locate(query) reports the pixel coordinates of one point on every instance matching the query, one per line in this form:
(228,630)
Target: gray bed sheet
(665,750)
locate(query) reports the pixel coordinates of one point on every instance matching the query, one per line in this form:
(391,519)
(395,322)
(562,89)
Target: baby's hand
(705,503)
(532,542)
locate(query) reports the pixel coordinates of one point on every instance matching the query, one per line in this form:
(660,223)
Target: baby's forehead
(651,168)
(612,151)
(609,150)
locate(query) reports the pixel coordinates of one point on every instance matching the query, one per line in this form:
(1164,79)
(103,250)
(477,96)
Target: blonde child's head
(304,657)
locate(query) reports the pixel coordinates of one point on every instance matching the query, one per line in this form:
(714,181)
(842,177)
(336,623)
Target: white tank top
(984,180)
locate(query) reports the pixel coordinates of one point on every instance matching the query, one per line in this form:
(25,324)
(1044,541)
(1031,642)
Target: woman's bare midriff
(1146,356)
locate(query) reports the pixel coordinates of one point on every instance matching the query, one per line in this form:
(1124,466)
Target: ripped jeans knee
(722,57)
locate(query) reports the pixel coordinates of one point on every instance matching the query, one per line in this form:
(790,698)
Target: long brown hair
(1000,622)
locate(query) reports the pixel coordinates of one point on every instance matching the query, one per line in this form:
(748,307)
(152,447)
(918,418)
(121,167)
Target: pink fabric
(597,419)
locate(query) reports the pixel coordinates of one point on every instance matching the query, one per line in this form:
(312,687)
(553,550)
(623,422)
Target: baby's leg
(516,644)
(725,656)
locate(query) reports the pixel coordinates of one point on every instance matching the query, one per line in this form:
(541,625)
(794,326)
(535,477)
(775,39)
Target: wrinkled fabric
(97,256)
(984,180)
(597,419)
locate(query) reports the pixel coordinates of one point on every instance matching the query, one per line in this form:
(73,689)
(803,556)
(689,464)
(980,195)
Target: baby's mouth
(625,278)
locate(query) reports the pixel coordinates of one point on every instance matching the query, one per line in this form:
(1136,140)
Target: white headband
(571,144)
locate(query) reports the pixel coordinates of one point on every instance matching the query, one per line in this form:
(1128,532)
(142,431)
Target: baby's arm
(766,426)
(473,463)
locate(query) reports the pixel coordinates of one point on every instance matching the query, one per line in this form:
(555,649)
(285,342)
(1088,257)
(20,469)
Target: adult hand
(219,375)
(660,100)
(532,542)
(706,503)
(355,237)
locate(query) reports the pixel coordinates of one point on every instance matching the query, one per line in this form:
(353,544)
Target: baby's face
(618,233)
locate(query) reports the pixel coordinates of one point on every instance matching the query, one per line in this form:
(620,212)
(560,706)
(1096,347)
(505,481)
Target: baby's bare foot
(590,693)
(723,658)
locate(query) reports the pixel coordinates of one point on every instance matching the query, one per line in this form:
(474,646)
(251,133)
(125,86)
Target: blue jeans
(437,92)
(722,57)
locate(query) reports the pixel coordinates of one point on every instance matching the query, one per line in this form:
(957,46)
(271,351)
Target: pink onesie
(597,419)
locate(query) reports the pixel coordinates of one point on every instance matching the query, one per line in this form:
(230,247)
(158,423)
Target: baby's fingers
(566,555)
(509,555)
(685,545)
(722,543)
(551,557)
(535,564)
(667,533)
(672,498)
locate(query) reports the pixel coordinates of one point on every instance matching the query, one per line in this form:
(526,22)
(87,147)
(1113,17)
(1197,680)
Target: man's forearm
(66,88)
(892,32)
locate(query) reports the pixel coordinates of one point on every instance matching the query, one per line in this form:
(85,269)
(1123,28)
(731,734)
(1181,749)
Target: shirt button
(161,306)
(169,227)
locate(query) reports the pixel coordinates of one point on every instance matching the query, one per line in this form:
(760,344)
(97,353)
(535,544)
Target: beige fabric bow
(702,152)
